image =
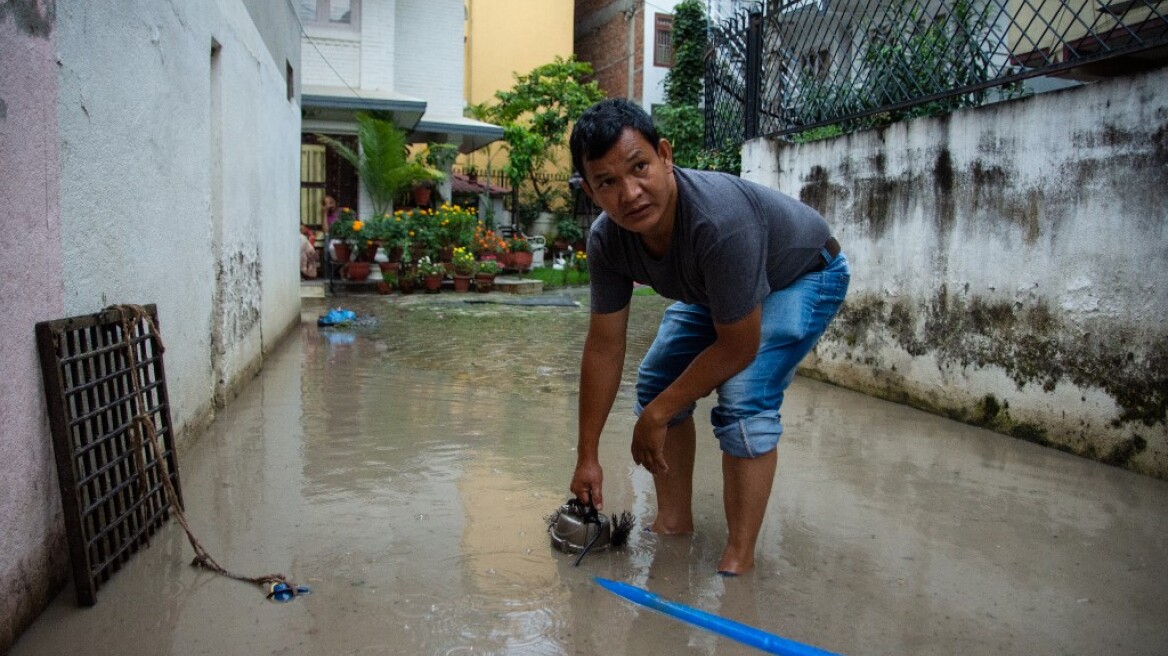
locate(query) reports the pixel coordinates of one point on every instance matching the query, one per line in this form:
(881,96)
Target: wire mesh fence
(787,66)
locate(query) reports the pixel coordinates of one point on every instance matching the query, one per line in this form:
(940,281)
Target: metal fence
(787,66)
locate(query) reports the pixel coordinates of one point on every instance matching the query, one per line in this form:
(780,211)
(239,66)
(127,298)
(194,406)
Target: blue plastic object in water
(283,593)
(747,635)
(337,317)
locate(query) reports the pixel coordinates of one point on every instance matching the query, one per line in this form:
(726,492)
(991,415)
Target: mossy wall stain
(1031,343)
(820,192)
(944,184)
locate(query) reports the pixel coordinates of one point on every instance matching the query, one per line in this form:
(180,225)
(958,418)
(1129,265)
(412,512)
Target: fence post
(753,74)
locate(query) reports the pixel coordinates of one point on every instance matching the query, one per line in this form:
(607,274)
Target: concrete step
(512,285)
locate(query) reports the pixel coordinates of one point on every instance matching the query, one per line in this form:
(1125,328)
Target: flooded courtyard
(404,469)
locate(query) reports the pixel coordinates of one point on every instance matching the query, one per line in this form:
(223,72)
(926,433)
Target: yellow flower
(357,225)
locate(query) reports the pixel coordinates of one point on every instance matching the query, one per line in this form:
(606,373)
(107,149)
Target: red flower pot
(358,271)
(521,260)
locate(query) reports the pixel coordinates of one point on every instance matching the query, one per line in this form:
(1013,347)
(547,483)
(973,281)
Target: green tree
(681,120)
(537,114)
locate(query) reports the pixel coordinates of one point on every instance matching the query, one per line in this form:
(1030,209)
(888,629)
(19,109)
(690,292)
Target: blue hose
(747,635)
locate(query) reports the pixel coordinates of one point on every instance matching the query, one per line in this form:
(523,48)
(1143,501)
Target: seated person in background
(308,257)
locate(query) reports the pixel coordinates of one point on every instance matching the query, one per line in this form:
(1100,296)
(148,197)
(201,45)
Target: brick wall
(602,39)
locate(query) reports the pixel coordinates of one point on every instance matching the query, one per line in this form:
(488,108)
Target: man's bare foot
(663,527)
(733,564)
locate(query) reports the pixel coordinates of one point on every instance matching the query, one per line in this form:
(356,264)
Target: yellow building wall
(509,37)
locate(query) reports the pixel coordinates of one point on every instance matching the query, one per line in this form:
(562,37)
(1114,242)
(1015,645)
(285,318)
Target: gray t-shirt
(733,243)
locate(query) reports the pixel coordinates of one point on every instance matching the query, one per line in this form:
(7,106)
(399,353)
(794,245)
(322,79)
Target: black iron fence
(788,66)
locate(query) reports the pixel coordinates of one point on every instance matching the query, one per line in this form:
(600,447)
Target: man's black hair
(599,127)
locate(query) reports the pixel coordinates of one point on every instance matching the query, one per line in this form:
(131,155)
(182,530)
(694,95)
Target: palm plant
(382,161)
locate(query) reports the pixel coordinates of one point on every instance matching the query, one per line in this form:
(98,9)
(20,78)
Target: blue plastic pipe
(747,635)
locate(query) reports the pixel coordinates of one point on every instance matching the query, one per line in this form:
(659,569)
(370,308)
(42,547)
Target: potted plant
(485,274)
(407,279)
(463,263)
(487,243)
(431,273)
(520,250)
(436,158)
(568,232)
(352,242)
(387,283)
(391,231)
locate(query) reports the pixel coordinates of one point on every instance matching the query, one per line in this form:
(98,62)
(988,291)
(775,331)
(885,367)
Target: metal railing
(787,66)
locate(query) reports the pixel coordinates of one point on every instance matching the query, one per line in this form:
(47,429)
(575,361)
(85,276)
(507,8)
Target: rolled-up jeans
(746,419)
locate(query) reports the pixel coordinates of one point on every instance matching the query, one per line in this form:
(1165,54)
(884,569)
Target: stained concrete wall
(32,559)
(137,167)
(1010,264)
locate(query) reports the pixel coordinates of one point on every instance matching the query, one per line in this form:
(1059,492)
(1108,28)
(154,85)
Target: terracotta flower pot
(461,283)
(422,195)
(521,260)
(343,251)
(484,282)
(358,271)
(433,283)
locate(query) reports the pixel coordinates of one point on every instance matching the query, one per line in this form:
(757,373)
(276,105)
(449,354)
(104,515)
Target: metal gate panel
(111,483)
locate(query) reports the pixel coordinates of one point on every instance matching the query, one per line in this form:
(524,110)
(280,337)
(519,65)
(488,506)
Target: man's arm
(600,375)
(735,348)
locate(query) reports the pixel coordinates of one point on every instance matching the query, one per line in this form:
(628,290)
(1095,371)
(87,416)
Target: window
(335,13)
(323,171)
(663,41)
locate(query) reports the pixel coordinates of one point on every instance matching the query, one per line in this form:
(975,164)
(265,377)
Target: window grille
(663,41)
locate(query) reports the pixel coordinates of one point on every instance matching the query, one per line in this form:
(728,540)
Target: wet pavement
(403,468)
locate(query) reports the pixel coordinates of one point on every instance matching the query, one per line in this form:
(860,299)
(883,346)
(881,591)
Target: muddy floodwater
(404,468)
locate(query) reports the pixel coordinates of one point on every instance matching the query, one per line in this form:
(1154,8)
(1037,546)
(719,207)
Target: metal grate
(112,492)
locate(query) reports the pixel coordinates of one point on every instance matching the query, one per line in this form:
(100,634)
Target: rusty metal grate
(112,493)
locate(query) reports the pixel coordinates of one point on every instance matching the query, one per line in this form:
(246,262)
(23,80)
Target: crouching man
(757,278)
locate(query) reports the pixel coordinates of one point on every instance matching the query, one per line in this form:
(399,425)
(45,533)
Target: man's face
(633,183)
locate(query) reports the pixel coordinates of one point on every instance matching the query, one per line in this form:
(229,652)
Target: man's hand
(587,481)
(649,444)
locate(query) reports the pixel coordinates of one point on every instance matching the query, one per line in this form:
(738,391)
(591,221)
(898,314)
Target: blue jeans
(746,419)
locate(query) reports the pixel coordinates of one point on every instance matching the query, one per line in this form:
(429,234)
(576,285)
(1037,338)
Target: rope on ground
(142,426)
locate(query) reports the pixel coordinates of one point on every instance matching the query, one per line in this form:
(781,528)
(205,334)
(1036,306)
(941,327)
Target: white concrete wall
(1009,263)
(429,53)
(342,50)
(172,195)
(379,67)
(32,562)
(134,170)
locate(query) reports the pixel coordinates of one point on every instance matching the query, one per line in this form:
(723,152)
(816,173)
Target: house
(148,156)
(630,43)
(630,46)
(404,60)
